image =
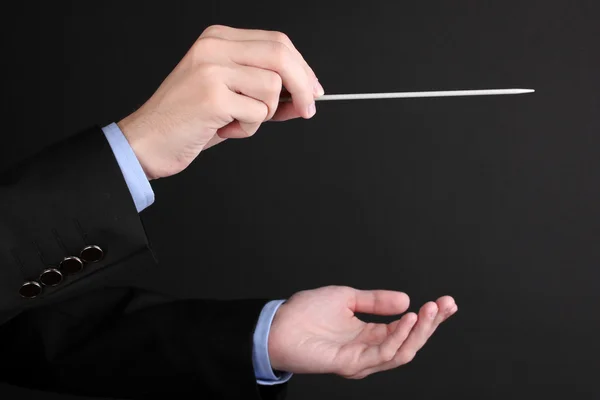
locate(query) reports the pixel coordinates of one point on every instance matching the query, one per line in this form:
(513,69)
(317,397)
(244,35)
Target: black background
(494,200)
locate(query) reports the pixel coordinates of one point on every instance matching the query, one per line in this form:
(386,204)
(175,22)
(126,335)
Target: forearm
(66,198)
(177,347)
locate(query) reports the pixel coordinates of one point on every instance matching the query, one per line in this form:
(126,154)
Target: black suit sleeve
(168,349)
(83,333)
(68,203)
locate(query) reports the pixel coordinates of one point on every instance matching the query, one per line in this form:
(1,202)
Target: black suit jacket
(73,321)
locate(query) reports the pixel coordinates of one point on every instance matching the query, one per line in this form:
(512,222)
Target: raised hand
(226,86)
(316,331)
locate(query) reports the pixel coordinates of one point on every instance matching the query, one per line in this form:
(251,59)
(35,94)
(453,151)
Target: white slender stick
(405,95)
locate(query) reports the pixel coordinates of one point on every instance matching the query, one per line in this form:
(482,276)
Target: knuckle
(204,46)
(264,113)
(347,291)
(273,82)
(213,30)
(280,54)
(256,117)
(272,106)
(281,38)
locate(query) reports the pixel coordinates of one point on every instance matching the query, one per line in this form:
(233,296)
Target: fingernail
(450,311)
(319,91)
(312,109)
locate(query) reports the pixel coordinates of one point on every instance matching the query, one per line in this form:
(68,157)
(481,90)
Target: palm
(345,341)
(319,332)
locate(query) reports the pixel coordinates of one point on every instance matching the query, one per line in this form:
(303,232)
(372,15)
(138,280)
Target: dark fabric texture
(96,334)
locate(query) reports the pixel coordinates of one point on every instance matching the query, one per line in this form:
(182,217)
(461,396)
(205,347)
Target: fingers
(246,116)
(278,58)
(380,302)
(260,84)
(285,112)
(270,51)
(420,333)
(377,355)
(430,316)
(229,33)
(447,307)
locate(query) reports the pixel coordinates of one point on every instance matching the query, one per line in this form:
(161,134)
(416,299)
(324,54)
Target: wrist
(131,129)
(274,344)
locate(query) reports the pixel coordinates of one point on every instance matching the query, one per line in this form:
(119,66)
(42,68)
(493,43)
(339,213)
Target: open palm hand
(317,331)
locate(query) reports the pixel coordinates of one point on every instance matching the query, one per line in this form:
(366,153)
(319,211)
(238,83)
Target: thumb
(379,302)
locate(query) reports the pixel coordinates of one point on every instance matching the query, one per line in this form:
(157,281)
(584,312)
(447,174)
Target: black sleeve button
(30,290)
(91,254)
(71,265)
(51,277)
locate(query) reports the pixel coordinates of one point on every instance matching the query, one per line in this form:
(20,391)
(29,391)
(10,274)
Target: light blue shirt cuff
(137,182)
(260,352)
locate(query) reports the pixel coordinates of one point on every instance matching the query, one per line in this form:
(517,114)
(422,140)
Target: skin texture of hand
(226,86)
(317,332)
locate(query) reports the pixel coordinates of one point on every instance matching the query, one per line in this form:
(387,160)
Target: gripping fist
(226,86)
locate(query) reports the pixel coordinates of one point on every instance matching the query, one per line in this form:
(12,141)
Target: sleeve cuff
(137,182)
(260,351)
